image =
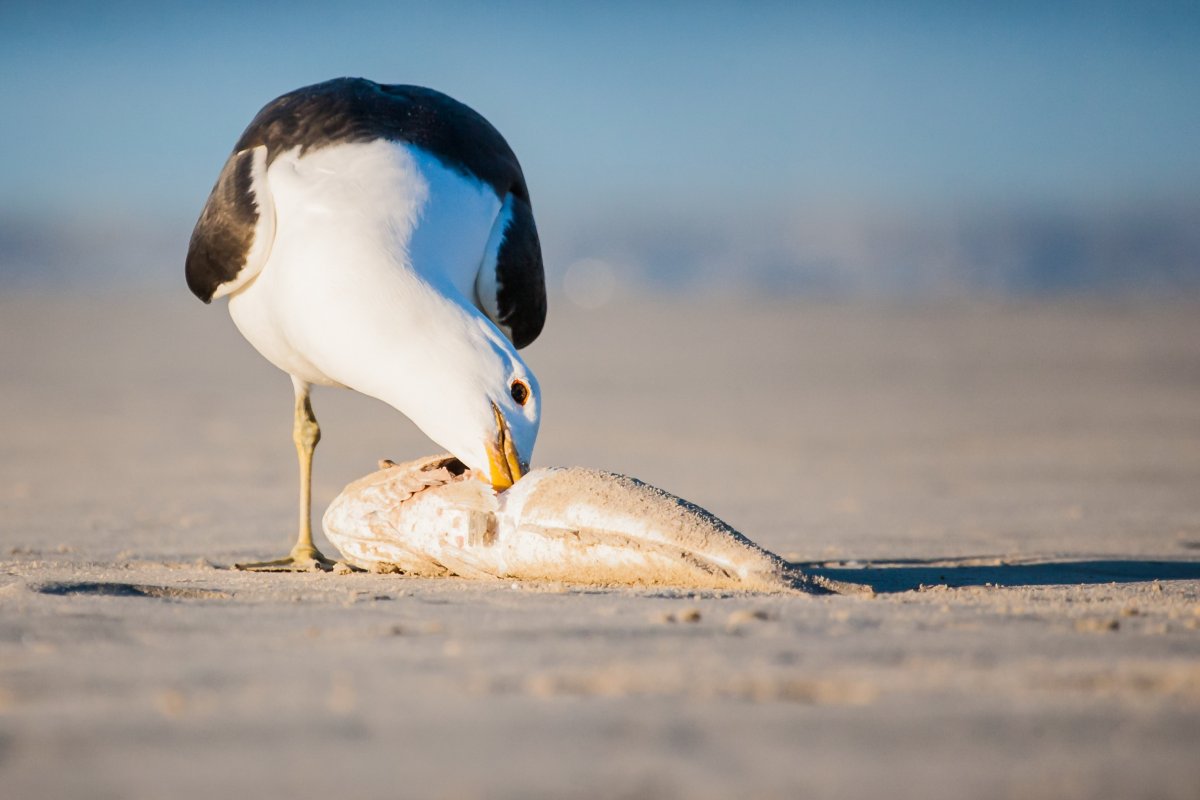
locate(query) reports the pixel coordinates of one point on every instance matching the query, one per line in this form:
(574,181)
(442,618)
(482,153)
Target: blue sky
(681,111)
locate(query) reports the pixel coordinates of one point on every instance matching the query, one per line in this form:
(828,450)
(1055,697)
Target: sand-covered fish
(433,517)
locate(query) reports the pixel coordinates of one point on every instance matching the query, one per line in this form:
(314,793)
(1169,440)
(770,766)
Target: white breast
(363,233)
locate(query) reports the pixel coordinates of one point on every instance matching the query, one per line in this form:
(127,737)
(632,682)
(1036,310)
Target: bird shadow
(906,575)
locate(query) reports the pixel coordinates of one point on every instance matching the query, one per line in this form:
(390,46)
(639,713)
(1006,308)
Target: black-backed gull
(381,238)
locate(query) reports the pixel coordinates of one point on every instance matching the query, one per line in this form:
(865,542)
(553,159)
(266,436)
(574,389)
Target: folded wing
(236,229)
(511,286)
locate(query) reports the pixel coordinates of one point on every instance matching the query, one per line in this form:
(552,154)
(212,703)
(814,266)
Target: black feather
(224,234)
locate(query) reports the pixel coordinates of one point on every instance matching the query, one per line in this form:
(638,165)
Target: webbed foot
(301,559)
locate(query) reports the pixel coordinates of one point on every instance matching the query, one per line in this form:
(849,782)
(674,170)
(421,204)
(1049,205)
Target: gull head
(470,391)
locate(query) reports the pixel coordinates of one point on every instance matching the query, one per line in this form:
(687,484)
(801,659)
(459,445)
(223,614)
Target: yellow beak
(505,465)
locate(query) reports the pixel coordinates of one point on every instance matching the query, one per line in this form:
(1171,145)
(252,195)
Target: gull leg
(305,557)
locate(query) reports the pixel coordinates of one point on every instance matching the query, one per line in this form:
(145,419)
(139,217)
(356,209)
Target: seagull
(380,238)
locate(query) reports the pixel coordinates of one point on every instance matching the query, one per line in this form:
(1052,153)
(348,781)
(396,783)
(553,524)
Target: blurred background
(825,151)
(903,287)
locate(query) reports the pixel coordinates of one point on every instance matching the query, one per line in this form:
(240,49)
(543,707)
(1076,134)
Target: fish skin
(429,517)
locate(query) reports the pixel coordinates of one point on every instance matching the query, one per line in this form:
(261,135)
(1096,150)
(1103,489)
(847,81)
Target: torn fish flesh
(433,517)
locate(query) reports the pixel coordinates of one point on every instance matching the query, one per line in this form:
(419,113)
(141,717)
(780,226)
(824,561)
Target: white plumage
(372,263)
(371,285)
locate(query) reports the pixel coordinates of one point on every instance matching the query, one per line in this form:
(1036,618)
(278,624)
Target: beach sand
(1016,487)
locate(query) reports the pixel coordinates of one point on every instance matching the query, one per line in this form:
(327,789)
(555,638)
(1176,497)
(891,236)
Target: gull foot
(301,559)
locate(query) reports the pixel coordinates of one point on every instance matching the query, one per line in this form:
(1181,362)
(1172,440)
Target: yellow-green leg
(305,557)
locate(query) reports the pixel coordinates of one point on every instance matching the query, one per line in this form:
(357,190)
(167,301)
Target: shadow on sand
(909,574)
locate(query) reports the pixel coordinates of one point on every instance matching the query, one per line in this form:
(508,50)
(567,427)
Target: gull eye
(519,391)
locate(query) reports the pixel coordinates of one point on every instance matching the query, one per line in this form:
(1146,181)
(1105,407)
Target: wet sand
(1018,486)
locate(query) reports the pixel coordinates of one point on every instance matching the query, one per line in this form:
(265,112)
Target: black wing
(511,286)
(236,228)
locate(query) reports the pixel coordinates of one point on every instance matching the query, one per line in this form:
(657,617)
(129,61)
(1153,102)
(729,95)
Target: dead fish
(433,517)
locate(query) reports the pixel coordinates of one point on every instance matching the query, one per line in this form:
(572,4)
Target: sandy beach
(1015,488)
